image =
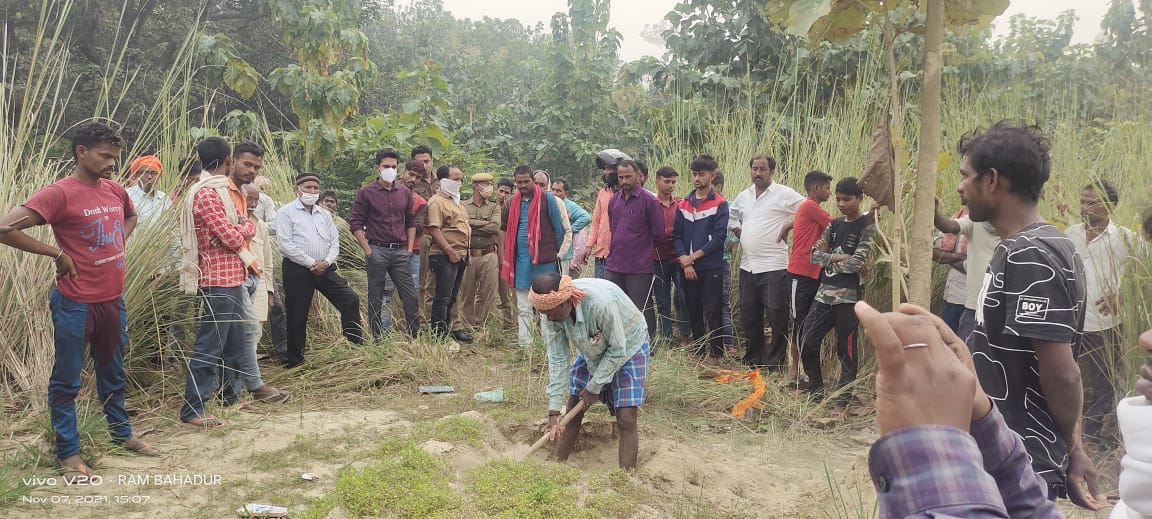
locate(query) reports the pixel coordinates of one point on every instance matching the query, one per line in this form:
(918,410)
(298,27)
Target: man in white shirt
(757,217)
(952,250)
(267,208)
(1105,248)
(308,240)
(982,242)
(150,202)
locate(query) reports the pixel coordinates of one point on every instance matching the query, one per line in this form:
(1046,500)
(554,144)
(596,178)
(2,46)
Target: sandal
(209,422)
(73,472)
(277,397)
(137,445)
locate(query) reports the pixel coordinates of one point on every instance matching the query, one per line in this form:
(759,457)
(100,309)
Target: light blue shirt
(578,219)
(149,206)
(608,330)
(306,237)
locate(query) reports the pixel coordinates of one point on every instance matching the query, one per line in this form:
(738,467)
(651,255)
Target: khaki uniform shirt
(485,222)
(424,189)
(452,219)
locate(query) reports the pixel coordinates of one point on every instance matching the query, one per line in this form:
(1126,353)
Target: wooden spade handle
(576,409)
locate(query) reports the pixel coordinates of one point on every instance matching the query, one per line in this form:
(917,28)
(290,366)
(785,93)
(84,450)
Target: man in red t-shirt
(808,226)
(91,218)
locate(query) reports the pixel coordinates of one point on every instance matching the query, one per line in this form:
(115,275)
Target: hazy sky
(631,16)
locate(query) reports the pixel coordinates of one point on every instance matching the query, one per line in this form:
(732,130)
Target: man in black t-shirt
(1031,309)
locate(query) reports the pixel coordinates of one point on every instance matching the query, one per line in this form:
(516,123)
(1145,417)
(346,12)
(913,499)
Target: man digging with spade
(611,339)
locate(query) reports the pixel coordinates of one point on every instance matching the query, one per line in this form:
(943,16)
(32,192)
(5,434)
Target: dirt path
(261,457)
(695,461)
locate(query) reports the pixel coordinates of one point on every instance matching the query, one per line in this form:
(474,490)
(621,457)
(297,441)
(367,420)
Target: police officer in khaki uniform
(479,290)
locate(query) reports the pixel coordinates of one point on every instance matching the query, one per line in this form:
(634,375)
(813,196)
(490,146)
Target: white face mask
(388,175)
(486,191)
(451,187)
(309,199)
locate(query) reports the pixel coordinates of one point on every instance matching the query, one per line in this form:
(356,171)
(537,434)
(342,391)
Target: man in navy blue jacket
(698,234)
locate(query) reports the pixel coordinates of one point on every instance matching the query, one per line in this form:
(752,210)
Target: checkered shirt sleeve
(218,240)
(932,471)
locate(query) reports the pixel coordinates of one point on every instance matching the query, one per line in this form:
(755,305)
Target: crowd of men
(1028,300)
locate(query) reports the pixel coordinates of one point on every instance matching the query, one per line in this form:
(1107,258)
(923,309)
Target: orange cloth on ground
(749,401)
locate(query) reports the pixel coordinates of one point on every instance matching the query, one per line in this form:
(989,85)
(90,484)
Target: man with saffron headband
(150,202)
(534,238)
(611,340)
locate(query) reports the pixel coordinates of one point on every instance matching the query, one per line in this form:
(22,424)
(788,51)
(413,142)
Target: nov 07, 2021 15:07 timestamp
(85,500)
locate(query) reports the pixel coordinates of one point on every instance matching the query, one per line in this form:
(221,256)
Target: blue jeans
(249,370)
(389,289)
(414,267)
(967,323)
(667,284)
(599,267)
(221,343)
(951,315)
(70,321)
(726,330)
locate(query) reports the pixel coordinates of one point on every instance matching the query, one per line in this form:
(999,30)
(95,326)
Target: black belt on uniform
(388,245)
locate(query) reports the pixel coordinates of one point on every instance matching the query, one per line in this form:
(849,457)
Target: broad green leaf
(845,20)
(804,14)
(967,13)
(412,106)
(241,77)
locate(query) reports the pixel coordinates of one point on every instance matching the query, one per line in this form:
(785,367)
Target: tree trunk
(897,136)
(920,241)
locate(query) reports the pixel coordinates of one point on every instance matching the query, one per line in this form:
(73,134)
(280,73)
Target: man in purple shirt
(944,450)
(636,221)
(384,222)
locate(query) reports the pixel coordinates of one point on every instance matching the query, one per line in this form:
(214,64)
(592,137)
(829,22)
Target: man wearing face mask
(448,257)
(383,220)
(599,233)
(308,240)
(478,296)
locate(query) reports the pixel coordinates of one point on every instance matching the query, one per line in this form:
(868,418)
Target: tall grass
(35,95)
(29,115)
(787,120)
(834,137)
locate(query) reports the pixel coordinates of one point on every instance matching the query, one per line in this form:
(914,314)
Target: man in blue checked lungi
(611,340)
